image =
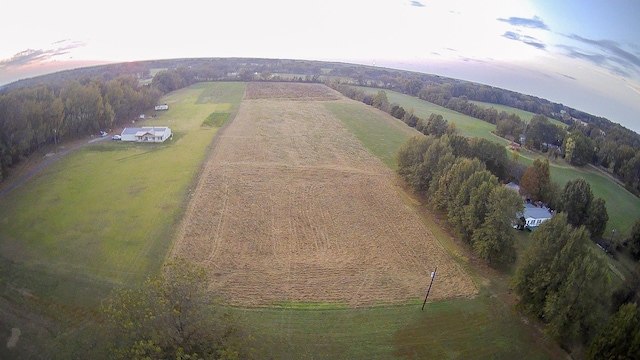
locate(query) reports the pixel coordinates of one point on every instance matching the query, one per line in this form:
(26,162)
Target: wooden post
(433,276)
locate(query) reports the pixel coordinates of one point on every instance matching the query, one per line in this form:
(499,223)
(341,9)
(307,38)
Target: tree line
(459,178)
(31,117)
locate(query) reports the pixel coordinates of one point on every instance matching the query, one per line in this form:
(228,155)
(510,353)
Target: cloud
(31,56)
(533,23)
(614,52)
(416,4)
(607,54)
(529,40)
(567,76)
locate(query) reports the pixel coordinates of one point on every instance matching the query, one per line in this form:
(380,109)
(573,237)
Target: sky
(584,54)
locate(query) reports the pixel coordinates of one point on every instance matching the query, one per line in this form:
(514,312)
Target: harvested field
(290,91)
(292,207)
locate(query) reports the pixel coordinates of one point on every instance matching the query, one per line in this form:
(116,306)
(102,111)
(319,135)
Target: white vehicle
(116,137)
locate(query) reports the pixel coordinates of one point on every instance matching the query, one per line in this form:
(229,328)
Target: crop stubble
(292,207)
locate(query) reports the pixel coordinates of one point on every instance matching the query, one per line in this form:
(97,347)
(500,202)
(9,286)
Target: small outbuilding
(146,134)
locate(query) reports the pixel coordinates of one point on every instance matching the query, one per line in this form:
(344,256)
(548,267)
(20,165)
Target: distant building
(146,134)
(162,107)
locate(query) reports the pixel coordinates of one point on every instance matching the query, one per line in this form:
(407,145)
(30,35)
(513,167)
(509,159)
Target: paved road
(46,163)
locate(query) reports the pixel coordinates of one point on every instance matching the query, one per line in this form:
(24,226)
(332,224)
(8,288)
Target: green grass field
(460,329)
(524,115)
(466,125)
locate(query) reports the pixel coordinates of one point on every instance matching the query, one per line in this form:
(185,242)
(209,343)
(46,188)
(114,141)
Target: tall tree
(494,155)
(620,337)
(632,243)
(561,281)
(579,150)
(444,191)
(494,239)
(410,157)
(461,213)
(576,201)
(598,217)
(536,181)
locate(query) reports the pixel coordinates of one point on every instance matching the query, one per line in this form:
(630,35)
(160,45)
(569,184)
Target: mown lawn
(477,328)
(108,212)
(466,125)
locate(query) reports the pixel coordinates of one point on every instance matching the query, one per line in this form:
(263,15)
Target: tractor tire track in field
(290,206)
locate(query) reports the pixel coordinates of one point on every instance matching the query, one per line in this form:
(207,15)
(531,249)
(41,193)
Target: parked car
(103,134)
(116,137)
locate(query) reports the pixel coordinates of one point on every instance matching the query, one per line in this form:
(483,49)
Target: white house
(162,107)
(534,216)
(146,134)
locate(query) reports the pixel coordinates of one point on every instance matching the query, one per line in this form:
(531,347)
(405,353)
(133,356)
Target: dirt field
(292,207)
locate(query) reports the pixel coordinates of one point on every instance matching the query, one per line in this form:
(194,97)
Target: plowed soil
(291,207)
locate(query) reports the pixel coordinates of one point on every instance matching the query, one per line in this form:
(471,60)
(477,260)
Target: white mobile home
(162,107)
(146,134)
(534,216)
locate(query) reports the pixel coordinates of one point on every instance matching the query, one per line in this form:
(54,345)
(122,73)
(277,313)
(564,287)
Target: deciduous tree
(172,315)
(598,217)
(575,201)
(562,281)
(620,337)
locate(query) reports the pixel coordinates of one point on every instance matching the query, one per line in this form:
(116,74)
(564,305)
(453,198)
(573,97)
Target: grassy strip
(216,119)
(379,133)
(468,328)
(466,125)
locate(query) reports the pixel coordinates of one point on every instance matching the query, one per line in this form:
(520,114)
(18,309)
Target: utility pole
(433,276)
(55,139)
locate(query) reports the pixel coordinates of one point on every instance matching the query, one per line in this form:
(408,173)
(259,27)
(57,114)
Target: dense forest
(73,103)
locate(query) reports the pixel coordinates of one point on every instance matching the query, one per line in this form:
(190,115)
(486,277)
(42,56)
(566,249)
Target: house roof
(154,131)
(534,212)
